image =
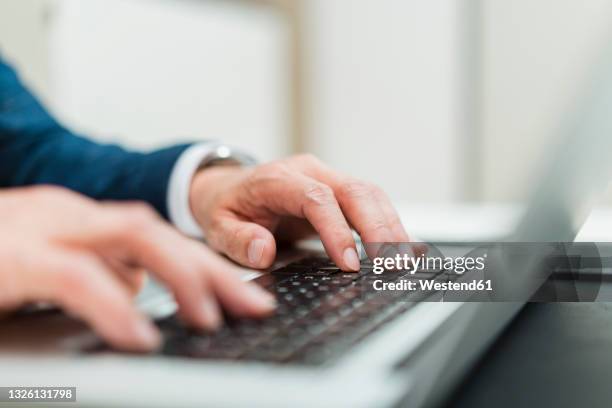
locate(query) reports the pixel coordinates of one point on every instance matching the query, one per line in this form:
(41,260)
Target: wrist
(208,186)
(196,159)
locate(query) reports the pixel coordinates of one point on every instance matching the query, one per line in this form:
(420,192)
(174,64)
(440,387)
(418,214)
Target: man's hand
(88,258)
(241,210)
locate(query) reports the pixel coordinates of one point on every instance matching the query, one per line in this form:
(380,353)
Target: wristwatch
(223,154)
(195,158)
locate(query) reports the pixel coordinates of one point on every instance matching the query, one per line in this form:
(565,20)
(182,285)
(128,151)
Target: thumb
(245,242)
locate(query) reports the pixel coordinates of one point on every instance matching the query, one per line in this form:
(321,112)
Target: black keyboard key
(321,312)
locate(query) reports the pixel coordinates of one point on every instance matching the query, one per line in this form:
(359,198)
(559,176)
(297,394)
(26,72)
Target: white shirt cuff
(179,187)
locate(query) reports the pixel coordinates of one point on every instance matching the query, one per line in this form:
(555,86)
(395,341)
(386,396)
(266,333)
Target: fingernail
(261,298)
(255,252)
(210,313)
(147,334)
(351,259)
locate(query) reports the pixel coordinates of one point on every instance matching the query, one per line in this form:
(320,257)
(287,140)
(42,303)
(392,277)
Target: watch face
(224,155)
(223,152)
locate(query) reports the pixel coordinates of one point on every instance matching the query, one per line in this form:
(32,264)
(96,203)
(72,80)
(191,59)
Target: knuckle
(234,240)
(395,218)
(268,172)
(341,232)
(189,276)
(357,189)
(141,212)
(264,176)
(307,158)
(48,189)
(275,168)
(134,218)
(319,194)
(238,235)
(377,190)
(49,192)
(60,198)
(71,280)
(378,226)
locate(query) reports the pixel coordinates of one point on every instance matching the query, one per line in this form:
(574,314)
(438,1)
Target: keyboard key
(321,312)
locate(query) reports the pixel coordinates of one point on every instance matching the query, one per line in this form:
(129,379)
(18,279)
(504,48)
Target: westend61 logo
(491,271)
(399,262)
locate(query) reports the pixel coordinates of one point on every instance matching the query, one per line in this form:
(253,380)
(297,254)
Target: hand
(88,258)
(241,210)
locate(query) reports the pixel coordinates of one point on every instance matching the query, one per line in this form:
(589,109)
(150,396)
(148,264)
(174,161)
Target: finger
(135,234)
(292,193)
(363,211)
(212,317)
(181,263)
(84,286)
(393,219)
(247,243)
(169,256)
(239,298)
(132,277)
(366,207)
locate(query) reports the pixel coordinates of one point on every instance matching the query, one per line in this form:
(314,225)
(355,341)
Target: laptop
(333,341)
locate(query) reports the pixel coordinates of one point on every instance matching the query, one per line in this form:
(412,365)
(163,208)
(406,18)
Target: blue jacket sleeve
(36,149)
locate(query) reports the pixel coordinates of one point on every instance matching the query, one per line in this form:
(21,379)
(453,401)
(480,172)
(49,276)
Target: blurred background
(438,101)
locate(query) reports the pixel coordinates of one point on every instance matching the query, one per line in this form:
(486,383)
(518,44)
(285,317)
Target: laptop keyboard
(322,312)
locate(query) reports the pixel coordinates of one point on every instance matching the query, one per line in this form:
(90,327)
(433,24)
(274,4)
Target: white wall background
(535,58)
(384,91)
(152,72)
(381,78)
(23,40)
